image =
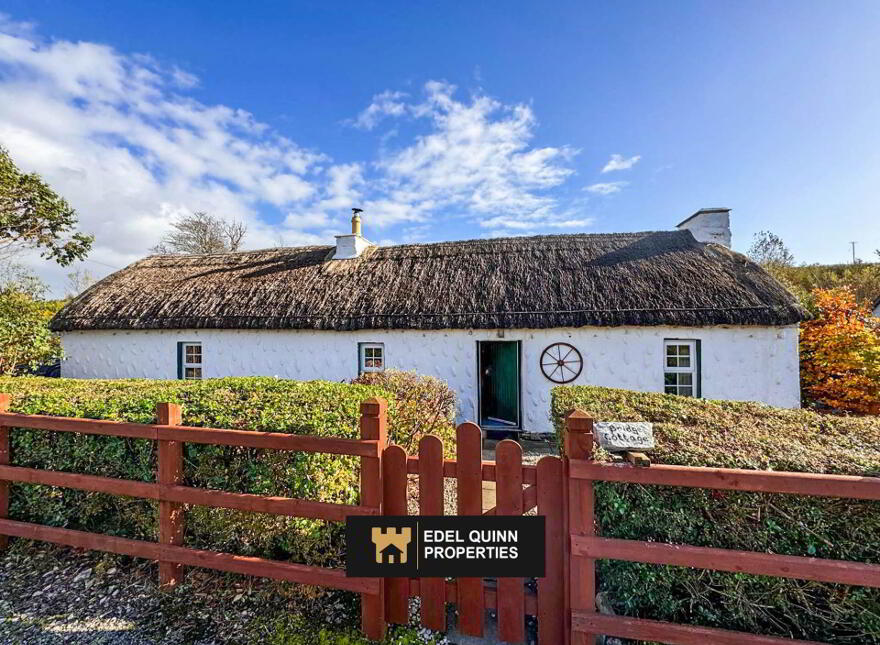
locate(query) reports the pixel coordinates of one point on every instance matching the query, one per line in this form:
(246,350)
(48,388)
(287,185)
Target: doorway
(499,382)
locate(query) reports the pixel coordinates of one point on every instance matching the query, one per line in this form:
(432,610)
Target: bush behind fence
(266,404)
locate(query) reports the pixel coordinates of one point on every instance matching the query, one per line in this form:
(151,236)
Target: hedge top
(735,434)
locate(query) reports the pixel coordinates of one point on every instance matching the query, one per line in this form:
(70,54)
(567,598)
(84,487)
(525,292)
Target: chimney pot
(349,247)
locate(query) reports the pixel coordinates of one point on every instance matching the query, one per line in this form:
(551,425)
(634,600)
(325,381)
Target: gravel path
(51,595)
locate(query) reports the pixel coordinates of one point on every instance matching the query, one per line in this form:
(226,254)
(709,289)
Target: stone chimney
(709,225)
(351,246)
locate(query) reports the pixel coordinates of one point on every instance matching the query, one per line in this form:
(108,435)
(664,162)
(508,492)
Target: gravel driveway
(51,595)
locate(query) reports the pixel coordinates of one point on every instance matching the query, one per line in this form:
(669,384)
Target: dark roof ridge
(477,240)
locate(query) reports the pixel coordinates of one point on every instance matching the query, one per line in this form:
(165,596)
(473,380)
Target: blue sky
(450,120)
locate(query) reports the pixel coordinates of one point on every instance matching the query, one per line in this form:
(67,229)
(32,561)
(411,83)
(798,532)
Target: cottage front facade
(502,320)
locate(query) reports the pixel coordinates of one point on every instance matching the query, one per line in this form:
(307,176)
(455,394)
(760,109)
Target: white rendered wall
(741,363)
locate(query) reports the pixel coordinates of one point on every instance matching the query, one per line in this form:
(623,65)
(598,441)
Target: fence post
(581,521)
(511,592)
(170,471)
(374,426)
(469,473)
(432,591)
(394,480)
(4,460)
(551,588)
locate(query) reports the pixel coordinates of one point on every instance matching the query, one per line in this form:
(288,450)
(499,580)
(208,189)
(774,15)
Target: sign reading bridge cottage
(620,436)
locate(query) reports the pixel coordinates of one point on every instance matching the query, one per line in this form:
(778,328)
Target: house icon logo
(391,544)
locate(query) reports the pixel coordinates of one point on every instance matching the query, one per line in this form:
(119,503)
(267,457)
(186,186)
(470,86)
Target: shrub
(840,353)
(424,404)
(266,404)
(863,278)
(740,435)
(25,339)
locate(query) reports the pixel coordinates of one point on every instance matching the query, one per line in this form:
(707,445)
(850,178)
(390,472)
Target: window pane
(686,391)
(669,379)
(193,354)
(671,361)
(684,361)
(193,372)
(685,378)
(669,389)
(372,358)
(670,350)
(684,350)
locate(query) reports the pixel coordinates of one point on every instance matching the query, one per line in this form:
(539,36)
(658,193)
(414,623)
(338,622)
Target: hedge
(267,404)
(752,436)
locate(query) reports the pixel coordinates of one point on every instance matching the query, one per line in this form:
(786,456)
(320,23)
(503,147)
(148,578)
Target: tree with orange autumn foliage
(840,353)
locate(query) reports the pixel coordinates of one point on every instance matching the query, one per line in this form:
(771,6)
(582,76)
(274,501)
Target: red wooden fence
(559,489)
(383,483)
(172,495)
(585,547)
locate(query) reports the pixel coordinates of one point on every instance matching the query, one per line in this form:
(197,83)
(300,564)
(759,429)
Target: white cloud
(119,137)
(110,133)
(617,162)
(608,188)
(475,158)
(387,103)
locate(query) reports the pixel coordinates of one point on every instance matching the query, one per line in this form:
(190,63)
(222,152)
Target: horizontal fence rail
(585,546)
(290,506)
(655,630)
(305,574)
(189,434)
(756,481)
(762,564)
(488,470)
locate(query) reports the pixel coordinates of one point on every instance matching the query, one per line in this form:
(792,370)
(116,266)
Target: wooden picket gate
(520,488)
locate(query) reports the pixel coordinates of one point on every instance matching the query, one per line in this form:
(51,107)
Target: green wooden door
(499,384)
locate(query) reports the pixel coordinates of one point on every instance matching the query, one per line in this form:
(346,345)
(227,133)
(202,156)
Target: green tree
(25,339)
(33,216)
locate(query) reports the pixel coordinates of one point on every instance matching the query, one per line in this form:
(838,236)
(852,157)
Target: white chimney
(351,246)
(709,225)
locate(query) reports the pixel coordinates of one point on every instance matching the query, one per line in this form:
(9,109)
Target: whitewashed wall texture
(741,363)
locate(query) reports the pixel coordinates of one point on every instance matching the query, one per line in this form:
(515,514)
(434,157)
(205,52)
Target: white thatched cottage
(501,320)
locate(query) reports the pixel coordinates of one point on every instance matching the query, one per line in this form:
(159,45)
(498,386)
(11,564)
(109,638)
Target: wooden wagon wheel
(561,363)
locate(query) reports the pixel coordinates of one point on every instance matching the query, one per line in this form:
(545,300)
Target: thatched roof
(654,278)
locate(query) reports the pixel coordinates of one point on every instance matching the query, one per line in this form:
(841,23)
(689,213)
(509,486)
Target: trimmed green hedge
(740,435)
(267,404)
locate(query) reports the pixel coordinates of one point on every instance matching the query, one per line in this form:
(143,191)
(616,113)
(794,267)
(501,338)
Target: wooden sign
(617,436)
